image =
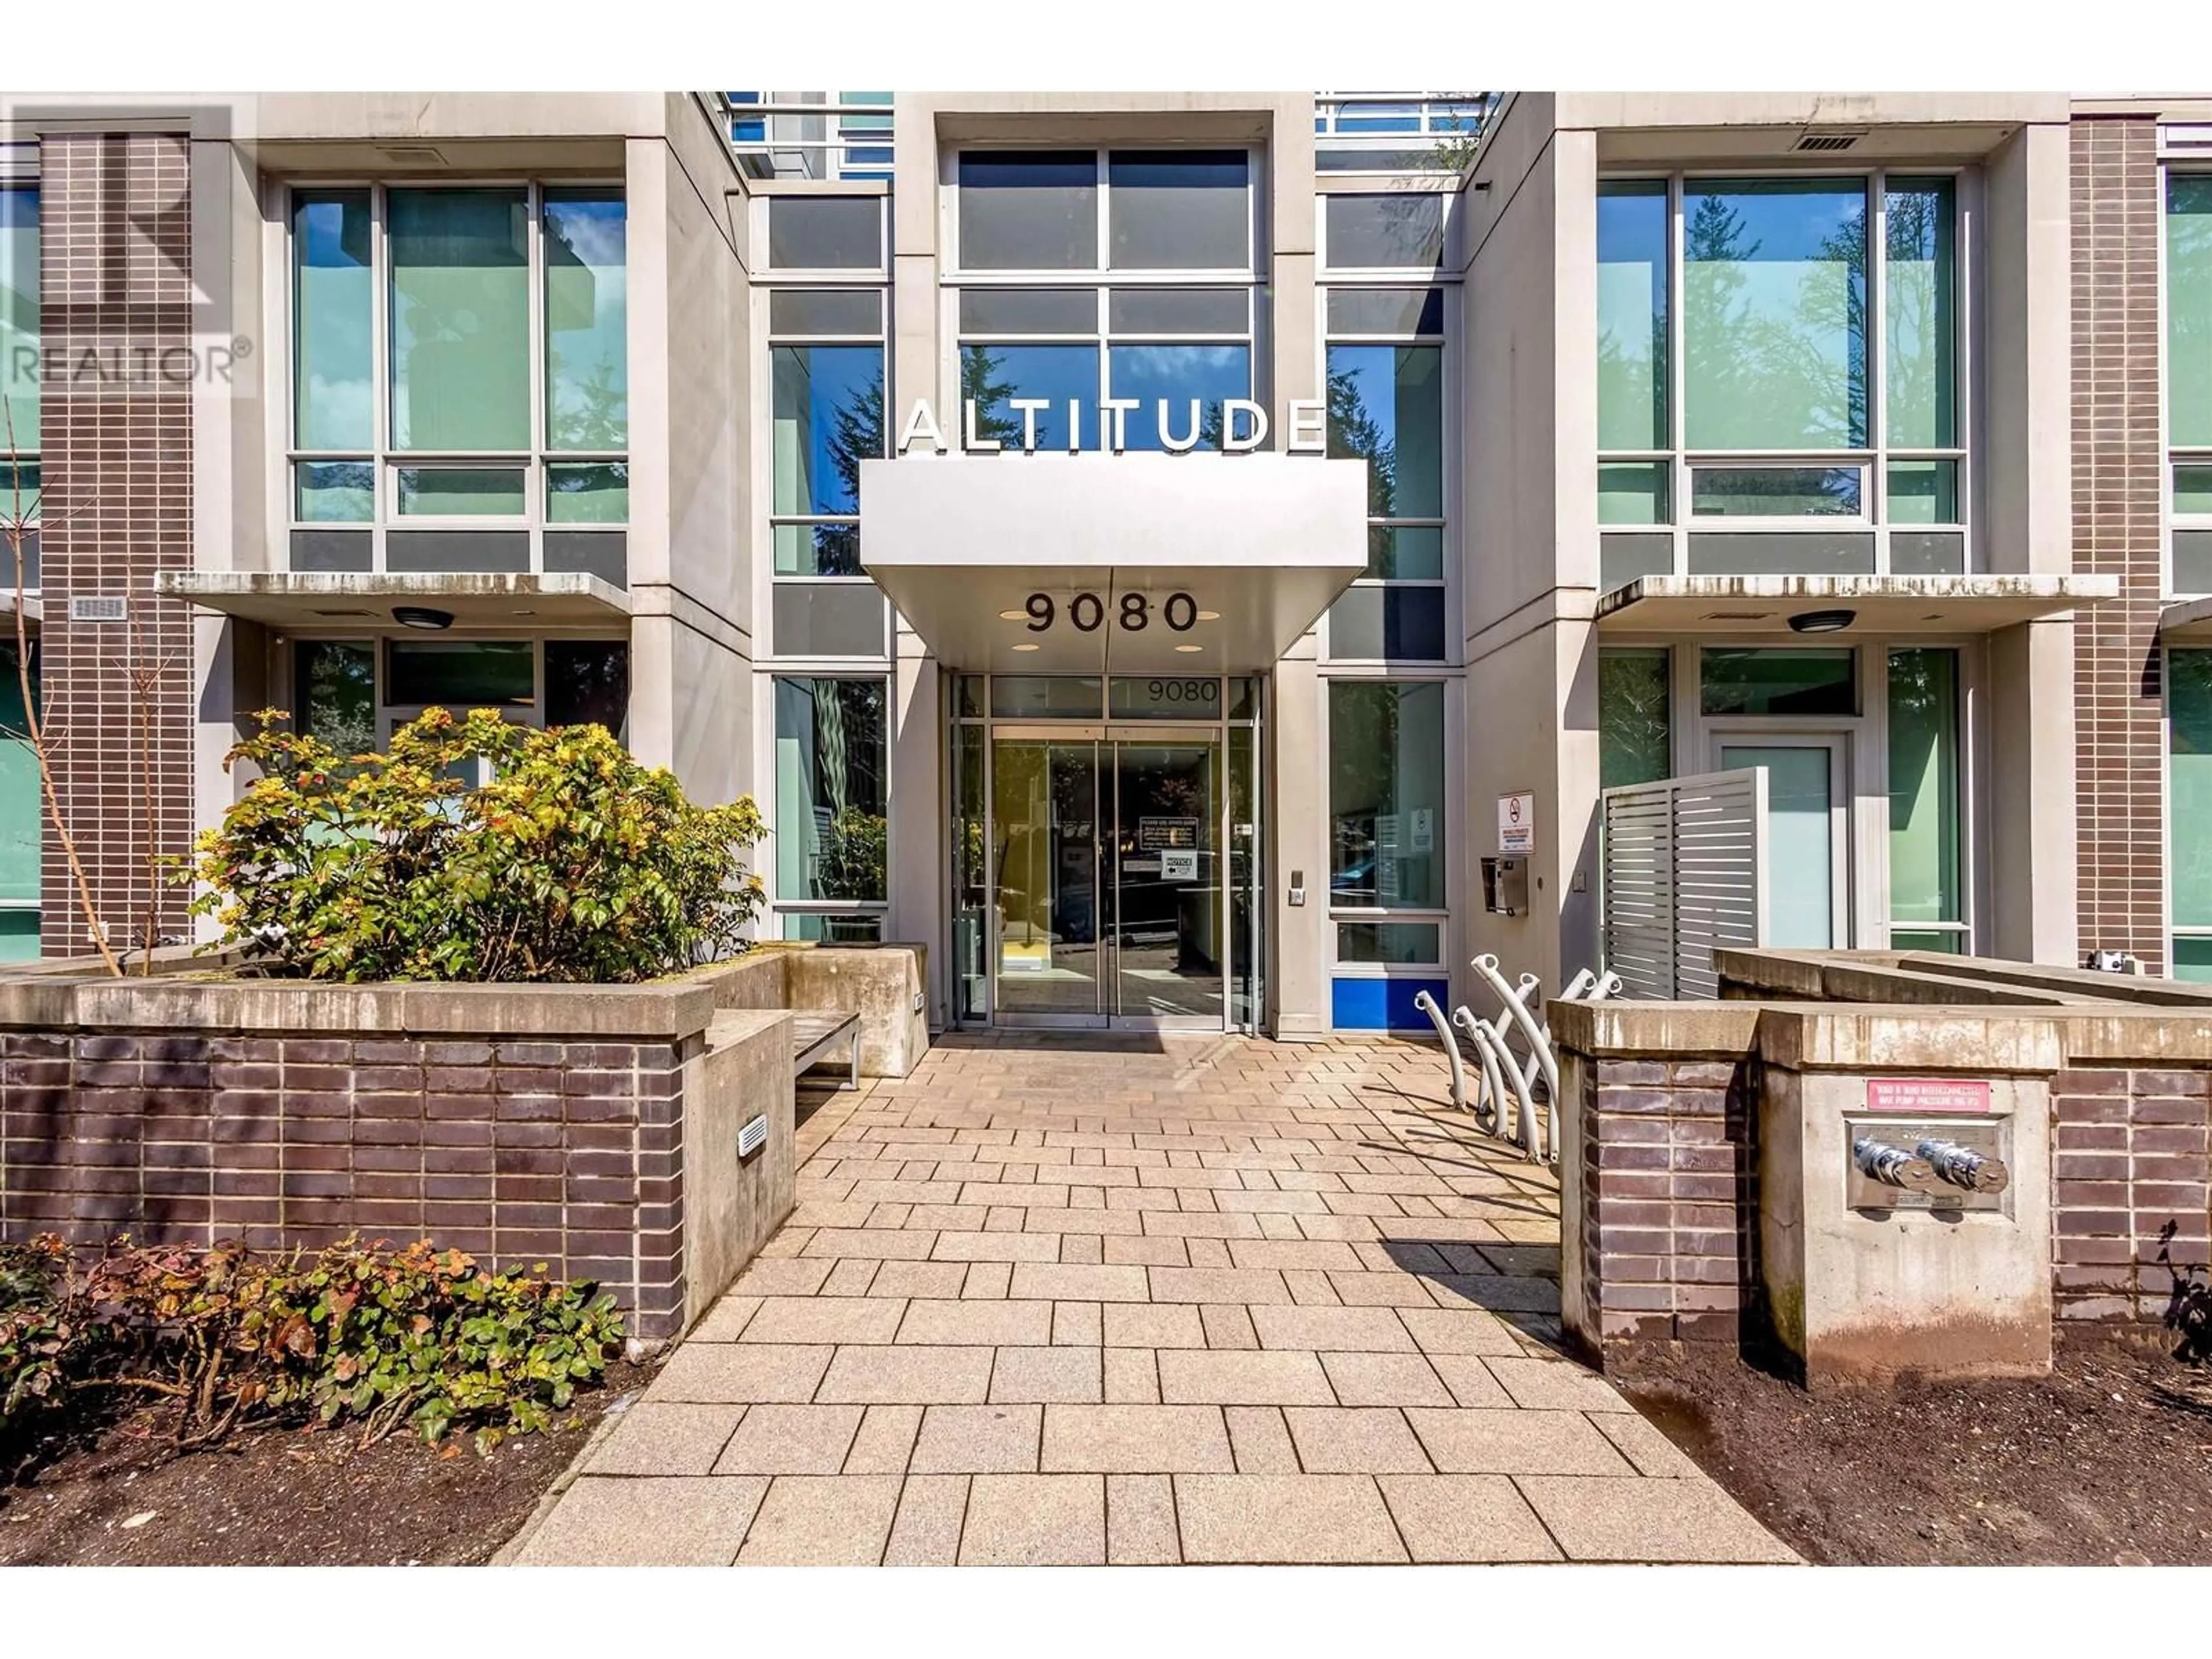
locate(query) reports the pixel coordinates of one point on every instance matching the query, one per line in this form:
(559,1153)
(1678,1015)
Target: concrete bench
(814,1035)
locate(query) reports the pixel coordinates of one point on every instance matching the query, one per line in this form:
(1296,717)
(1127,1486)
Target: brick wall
(2118,480)
(116,320)
(567,1152)
(2128,1179)
(1670,1217)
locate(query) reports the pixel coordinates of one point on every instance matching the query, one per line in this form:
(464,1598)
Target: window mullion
(382,504)
(1677,435)
(533,478)
(1874,346)
(1104,211)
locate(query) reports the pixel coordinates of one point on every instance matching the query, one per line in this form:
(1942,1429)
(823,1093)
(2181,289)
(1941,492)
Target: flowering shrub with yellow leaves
(569,862)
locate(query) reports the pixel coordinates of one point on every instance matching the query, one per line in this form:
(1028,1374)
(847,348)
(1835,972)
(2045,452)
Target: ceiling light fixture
(1025,647)
(1013,616)
(1209,615)
(420,616)
(1187,649)
(1822,622)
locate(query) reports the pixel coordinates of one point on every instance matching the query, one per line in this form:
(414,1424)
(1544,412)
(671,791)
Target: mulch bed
(2107,1461)
(286,1496)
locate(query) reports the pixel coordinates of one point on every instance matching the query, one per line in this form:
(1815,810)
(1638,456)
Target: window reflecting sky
(1210,374)
(994,374)
(828,414)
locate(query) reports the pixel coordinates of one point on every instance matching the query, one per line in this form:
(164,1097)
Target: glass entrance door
(1808,838)
(1169,952)
(1107,879)
(1046,875)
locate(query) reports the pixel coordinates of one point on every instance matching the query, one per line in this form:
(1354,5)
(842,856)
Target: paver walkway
(1198,1300)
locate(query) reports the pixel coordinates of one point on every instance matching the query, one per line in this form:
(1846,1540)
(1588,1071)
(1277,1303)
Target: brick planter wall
(1670,1217)
(517,1152)
(2129,1181)
(592,1128)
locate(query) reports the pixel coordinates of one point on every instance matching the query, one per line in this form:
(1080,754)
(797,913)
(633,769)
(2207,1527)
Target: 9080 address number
(1087,612)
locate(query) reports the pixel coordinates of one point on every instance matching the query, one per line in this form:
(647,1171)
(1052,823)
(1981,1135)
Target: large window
(461,379)
(1393,230)
(827,403)
(826,378)
(18,365)
(2189,376)
(2189,814)
(1635,736)
(1093,276)
(1386,407)
(1170,210)
(1388,836)
(350,692)
(832,755)
(1778,383)
(826,232)
(1927,888)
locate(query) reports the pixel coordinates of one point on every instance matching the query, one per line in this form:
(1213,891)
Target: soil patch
(287,1497)
(2108,1460)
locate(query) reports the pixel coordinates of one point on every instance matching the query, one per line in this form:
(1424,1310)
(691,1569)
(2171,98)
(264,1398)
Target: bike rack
(1427,1005)
(1503,1072)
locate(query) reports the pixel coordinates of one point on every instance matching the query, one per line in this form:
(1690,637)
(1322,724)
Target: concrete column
(919,858)
(1298,844)
(2030,765)
(2027,349)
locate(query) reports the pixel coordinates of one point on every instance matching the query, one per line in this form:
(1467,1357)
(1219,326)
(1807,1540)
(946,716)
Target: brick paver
(1182,1299)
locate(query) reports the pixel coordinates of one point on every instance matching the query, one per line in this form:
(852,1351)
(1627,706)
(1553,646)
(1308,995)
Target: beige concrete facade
(1524,580)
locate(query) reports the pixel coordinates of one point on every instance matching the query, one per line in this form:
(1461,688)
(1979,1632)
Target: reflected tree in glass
(1774,347)
(1919,372)
(1634,744)
(1924,766)
(856,435)
(988,380)
(1354,433)
(337,695)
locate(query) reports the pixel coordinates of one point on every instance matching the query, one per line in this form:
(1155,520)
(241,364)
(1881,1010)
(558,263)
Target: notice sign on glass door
(1153,834)
(1178,866)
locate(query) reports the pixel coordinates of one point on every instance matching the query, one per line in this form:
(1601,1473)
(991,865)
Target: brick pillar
(2119,476)
(116,320)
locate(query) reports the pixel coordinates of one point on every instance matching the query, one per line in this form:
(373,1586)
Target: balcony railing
(847,135)
(810,134)
(1400,131)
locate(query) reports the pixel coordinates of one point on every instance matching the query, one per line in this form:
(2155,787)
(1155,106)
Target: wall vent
(1735,616)
(98,608)
(1825,141)
(413,156)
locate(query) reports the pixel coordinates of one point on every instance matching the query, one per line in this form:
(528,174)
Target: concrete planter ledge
(1691,1029)
(1932,976)
(1822,1036)
(668,1010)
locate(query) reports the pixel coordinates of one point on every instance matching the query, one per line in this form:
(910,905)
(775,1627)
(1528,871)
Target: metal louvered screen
(1685,870)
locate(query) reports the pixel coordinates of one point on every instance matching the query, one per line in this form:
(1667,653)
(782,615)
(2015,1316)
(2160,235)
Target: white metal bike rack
(1427,1005)
(1503,1071)
(1503,1077)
